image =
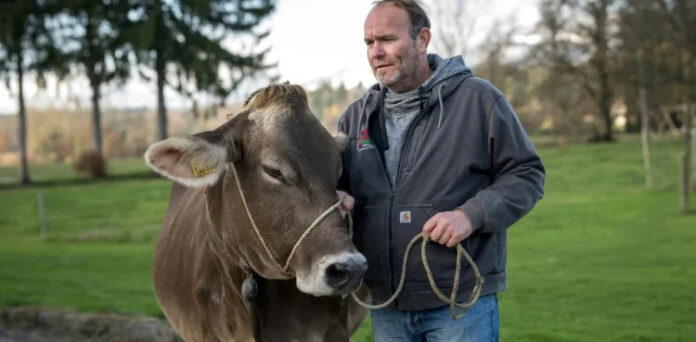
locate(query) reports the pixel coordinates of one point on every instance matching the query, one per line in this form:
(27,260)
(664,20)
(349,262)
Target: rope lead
(451,301)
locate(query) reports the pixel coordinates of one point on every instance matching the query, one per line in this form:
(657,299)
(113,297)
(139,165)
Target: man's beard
(389,81)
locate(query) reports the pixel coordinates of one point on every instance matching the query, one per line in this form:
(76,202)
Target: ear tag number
(200,169)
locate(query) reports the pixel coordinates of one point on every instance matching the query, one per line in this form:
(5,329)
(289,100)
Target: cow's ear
(194,161)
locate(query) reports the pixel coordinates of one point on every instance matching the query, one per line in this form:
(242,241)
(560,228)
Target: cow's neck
(231,261)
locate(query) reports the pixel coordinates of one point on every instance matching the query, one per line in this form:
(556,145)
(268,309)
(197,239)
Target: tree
(184,43)
(681,14)
(494,67)
(454,25)
(578,41)
(641,67)
(25,45)
(92,39)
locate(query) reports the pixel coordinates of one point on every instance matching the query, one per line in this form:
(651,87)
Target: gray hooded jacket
(466,149)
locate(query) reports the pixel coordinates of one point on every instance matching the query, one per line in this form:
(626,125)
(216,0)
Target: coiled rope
(452,299)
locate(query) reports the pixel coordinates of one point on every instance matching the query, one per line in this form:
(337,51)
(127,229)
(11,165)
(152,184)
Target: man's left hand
(448,227)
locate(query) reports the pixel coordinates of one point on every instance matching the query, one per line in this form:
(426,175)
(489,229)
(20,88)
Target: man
(432,149)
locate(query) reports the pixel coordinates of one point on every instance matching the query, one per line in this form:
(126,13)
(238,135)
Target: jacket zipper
(394,187)
(389,216)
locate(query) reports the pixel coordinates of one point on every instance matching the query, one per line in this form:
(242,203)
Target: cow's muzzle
(337,274)
(345,276)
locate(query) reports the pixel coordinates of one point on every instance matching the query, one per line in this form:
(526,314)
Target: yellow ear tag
(200,169)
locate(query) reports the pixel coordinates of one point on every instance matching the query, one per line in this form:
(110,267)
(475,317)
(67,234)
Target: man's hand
(448,227)
(347,202)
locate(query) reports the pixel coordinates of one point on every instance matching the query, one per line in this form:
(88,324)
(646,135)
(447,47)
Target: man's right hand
(347,202)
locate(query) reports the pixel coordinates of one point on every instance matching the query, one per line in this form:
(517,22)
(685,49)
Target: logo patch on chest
(405,217)
(365,142)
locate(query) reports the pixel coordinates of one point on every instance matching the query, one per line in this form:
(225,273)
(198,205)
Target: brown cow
(288,166)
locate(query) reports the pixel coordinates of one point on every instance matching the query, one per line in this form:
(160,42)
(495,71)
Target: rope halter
(286,264)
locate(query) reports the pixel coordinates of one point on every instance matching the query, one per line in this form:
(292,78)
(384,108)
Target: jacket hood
(447,74)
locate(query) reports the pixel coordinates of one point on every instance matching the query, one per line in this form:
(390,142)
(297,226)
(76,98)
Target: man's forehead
(386,16)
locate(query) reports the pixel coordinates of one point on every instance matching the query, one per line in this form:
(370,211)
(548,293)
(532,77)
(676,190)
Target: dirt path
(25,337)
(34,324)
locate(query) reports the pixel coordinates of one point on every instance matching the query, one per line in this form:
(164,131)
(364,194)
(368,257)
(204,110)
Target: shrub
(91,163)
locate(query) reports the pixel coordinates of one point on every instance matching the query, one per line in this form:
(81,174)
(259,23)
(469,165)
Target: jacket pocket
(441,259)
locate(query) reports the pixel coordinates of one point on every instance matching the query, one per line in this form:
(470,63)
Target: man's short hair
(416,13)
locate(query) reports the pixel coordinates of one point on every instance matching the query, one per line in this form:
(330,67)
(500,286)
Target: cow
(243,195)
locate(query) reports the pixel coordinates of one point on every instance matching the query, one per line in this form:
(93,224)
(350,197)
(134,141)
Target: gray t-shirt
(401,108)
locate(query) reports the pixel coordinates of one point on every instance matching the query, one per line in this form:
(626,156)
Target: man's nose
(375,51)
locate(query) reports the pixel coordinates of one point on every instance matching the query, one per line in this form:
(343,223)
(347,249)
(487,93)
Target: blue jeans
(479,324)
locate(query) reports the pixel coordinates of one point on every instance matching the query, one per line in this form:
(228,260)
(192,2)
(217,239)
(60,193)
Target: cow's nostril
(345,276)
(337,275)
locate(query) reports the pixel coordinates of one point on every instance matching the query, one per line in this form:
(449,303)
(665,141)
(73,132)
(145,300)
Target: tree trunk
(160,65)
(600,61)
(670,123)
(645,138)
(161,70)
(22,127)
(96,119)
(95,80)
(605,107)
(686,157)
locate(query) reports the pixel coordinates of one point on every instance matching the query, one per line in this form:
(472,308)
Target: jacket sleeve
(516,170)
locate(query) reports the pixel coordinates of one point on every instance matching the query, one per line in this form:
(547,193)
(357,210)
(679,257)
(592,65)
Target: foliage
(187,43)
(25,44)
(25,39)
(61,135)
(652,57)
(579,41)
(191,37)
(328,102)
(451,35)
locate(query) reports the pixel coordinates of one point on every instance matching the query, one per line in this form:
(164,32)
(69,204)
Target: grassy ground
(599,259)
(62,173)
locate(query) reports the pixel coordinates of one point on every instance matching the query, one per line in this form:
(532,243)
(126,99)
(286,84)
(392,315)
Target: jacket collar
(374,97)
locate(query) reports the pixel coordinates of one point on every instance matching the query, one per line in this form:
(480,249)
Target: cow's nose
(345,276)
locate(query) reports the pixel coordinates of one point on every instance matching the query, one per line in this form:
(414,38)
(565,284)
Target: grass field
(600,259)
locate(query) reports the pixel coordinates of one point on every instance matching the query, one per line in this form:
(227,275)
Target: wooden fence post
(42,215)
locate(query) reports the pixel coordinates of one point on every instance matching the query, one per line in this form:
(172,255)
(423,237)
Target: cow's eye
(273,172)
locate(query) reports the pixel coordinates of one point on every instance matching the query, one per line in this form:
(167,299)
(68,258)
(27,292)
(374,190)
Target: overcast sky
(311,40)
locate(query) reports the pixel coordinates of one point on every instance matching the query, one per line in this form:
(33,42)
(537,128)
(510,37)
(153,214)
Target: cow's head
(288,166)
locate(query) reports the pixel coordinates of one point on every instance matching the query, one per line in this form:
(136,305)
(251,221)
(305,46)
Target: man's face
(393,55)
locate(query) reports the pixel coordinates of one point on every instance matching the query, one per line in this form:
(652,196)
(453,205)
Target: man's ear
(194,161)
(423,39)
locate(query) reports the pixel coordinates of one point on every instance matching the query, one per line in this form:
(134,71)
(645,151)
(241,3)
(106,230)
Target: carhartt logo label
(405,217)
(364,141)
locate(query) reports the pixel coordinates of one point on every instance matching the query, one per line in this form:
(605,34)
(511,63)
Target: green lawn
(57,173)
(600,259)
